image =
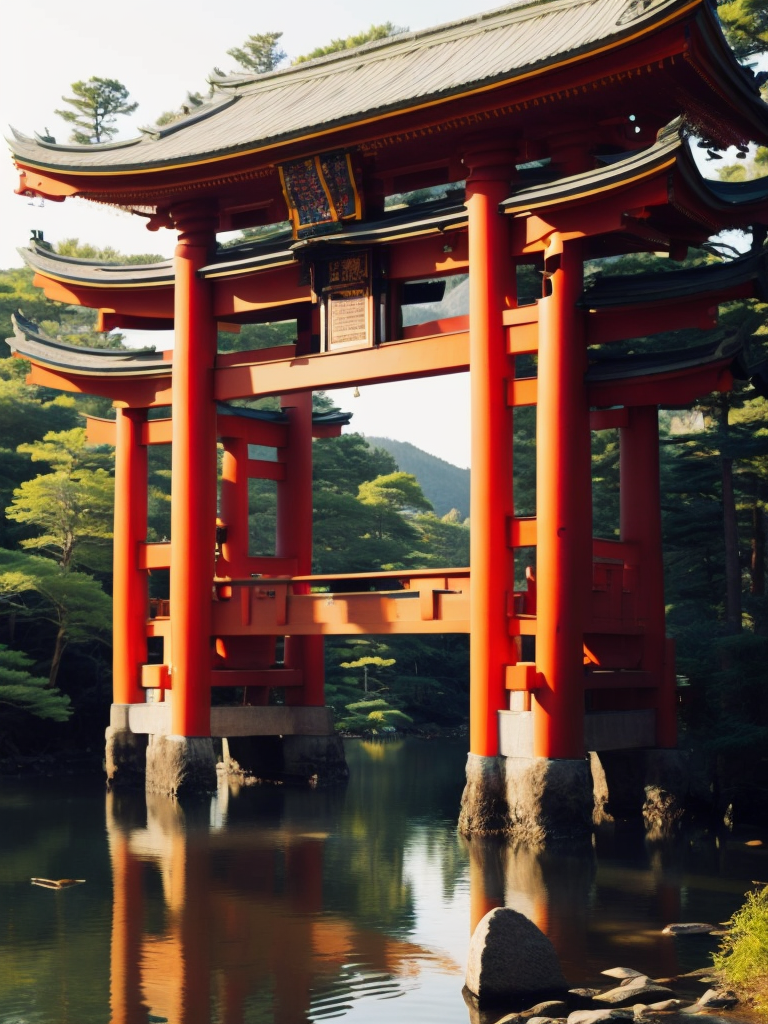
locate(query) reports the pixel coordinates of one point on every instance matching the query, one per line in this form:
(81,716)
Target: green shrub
(743,955)
(374,716)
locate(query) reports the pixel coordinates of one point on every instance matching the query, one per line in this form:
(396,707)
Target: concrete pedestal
(292,744)
(532,799)
(548,800)
(483,802)
(179,766)
(539,800)
(125,758)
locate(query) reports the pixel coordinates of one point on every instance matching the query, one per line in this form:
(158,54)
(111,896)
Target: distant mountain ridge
(446,485)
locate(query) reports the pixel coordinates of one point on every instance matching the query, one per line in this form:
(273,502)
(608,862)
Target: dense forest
(55,536)
(55,550)
(446,485)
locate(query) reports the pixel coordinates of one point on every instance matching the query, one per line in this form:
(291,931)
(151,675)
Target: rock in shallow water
(550,1008)
(640,991)
(693,928)
(717,999)
(597,1016)
(622,972)
(509,956)
(669,1004)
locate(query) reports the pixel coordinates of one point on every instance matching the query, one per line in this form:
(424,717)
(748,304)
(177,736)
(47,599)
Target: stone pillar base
(125,758)
(483,802)
(535,800)
(289,744)
(549,799)
(539,800)
(180,766)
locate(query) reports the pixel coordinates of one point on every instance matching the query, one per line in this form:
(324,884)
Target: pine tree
(369,35)
(22,691)
(259,53)
(96,104)
(73,603)
(70,508)
(745,23)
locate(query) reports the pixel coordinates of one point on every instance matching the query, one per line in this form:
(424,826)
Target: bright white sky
(160,49)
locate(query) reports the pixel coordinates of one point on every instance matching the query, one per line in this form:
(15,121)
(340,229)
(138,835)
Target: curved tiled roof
(338,418)
(607,367)
(670,151)
(96,273)
(394,74)
(618,290)
(429,219)
(32,343)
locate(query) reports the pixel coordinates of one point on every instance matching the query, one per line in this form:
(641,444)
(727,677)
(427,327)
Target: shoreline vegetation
(742,959)
(513,969)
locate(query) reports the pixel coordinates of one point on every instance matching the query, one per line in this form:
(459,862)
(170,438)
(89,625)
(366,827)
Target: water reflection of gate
(591,910)
(243,935)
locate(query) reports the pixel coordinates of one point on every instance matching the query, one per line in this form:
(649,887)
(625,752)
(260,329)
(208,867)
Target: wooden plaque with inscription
(347,302)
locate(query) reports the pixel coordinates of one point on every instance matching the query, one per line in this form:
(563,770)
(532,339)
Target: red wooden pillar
(129,595)
(491,288)
(641,525)
(234,507)
(563,508)
(294,540)
(193,483)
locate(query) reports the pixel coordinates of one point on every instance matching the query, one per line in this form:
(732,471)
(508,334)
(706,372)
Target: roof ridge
(404,41)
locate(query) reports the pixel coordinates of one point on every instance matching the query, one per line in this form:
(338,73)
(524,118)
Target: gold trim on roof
(648,29)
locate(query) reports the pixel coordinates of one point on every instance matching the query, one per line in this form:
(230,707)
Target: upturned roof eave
(29,342)
(669,155)
(720,353)
(232,262)
(97,274)
(36,155)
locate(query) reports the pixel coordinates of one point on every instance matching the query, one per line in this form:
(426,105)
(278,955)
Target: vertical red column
(563,508)
(294,540)
(641,525)
(234,506)
(129,595)
(491,287)
(193,482)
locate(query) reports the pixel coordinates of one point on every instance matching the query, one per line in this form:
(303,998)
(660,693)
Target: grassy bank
(742,959)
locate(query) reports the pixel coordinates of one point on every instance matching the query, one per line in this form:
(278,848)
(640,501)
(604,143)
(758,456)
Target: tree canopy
(369,35)
(96,105)
(259,53)
(69,509)
(745,23)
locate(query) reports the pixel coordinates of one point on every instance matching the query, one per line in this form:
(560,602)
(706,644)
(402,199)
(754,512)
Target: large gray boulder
(509,956)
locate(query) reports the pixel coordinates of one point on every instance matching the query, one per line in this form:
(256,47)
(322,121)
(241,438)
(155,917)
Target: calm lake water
(271,905)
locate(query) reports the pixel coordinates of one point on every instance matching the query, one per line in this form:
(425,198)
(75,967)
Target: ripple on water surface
(274,906)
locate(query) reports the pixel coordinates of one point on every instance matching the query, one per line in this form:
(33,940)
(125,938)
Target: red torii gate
(588,114)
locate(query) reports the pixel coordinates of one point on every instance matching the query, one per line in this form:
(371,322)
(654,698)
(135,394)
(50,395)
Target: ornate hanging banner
(320,191)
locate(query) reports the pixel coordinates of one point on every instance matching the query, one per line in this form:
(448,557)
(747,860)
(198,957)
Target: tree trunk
(58,653)
(730,530)
(757,562)
(732,566)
